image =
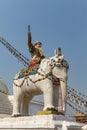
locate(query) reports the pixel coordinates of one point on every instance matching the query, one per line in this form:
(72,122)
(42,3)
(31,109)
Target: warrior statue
(35,50)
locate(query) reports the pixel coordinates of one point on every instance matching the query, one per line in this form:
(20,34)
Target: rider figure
(35,50)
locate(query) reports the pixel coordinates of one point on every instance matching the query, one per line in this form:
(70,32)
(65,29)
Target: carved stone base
(39,122)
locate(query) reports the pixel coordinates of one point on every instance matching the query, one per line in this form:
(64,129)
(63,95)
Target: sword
(29,28)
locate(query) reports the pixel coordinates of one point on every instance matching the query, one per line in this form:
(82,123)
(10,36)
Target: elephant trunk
(62,108)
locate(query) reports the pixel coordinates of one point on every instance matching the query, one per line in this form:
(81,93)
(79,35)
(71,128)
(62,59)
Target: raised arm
(29,39)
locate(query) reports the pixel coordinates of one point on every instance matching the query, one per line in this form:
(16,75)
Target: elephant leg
(25,105)
(55,95)
(17,101)
(48,97)
(16,106)
(62,107)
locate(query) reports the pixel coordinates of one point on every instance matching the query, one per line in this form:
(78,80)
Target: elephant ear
(65,64)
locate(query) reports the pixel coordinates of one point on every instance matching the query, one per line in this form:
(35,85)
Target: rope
(75,108)
(77,92)
(16,53)
(76,99)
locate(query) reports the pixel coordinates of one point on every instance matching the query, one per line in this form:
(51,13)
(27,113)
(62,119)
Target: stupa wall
(5,104)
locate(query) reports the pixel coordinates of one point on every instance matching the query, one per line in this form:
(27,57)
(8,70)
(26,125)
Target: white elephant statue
(42,82)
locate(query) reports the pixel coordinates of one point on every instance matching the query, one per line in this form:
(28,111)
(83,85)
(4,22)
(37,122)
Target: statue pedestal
(41,122)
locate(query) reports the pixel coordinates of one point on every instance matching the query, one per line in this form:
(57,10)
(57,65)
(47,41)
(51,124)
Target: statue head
(37,44)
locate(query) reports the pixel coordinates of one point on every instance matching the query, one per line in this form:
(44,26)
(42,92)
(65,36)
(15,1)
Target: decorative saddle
(28,71)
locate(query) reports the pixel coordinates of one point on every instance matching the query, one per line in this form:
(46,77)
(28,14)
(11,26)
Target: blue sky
(56,23)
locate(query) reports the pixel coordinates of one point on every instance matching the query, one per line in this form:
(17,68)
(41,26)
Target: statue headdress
(37,42)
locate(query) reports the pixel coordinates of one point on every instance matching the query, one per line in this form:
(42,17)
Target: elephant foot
(52,109)
(16,115)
